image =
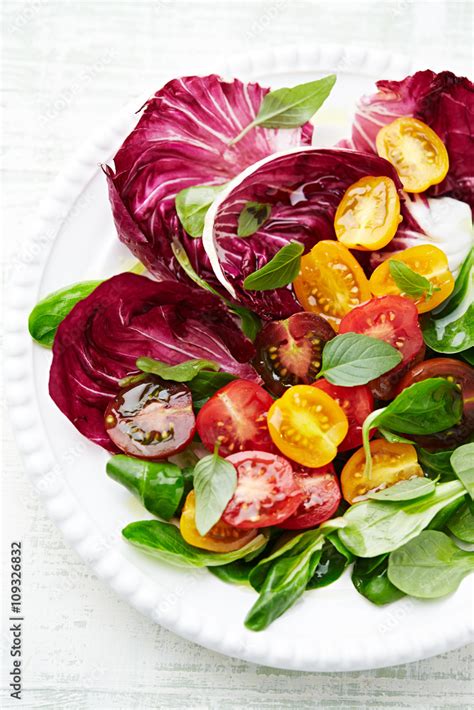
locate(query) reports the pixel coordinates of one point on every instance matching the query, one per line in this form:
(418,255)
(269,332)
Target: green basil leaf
(429,566)
(253,215)
(369,577)
(290,108)
(374,527)
(461,523)
(411,489)
(393,438)
(409,282)
(234,573)
(436,463)
(462,461)
(215,481)
(279,271)
(206,384)
(165,542)
(159,485)
(352,359)
(192,204)
(250,323)
(334,559)
(50,312)
(184,372)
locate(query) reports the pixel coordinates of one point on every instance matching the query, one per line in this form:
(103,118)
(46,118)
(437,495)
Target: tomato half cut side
(390,463)
(307,425)
(356,403)
(235,417)
(416,152)
(322,495)
(220,538)
(289,351)
(463,375)
(266,492)
(152,419)
(368,215)
(395,320)
(331,282)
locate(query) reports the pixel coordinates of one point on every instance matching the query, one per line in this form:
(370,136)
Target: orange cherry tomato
(369,214)
(416,152)
(390,463)
(307,425)
(331,282)
(220,538)
(426,260)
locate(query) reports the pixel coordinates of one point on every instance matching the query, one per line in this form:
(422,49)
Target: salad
(285,379)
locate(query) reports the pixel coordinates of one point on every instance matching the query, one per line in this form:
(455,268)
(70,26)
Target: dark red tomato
(322,495)
(236,418)
(395,320)
(289,351)
(266,492)
(356,403)
(151,419)
(463,375)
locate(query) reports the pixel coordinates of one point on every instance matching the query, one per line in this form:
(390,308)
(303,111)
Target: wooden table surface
(67,67)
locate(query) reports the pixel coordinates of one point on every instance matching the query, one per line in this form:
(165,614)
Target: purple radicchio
(129,316)
(304,188)
(182,140)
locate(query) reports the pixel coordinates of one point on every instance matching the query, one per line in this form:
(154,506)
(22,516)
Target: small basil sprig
(192,205)
(253,215)
(184,372)
(409,282)
(280,271)
(215,481)
(352,359)
(429,566)
(462,461)
(290,108)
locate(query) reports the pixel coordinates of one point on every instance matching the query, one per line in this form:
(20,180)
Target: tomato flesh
(289,351)
(463,375)
(266,492)
(220,538)
(368,215)
(151,419)
(390,463)
(235,418)
(356,403)
(416,152)
(322,496)
(395,320)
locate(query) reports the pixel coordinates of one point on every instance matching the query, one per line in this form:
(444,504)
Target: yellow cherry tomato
(425,260)
(331,282)
(307,425)
(369,214)
(415,151)
(390,463)
(220,538)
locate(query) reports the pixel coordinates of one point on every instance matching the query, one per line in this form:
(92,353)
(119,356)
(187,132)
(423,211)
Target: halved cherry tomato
(331,282)
(236,418)
(220,538)
(390,463)
(356,403)
(426,260)
(463,375)
(307,425)
(416,152)
(369,214)
(151,419)
(395,320)
(266,492)
(289,351)
(322,496)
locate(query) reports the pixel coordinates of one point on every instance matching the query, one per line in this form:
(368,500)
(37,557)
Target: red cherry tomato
(266,492)
(463,375)
(356,403)
(395,320)
(152,419)
(322,496)
(236,418)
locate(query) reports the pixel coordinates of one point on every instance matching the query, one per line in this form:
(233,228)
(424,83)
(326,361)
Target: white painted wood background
(67,66)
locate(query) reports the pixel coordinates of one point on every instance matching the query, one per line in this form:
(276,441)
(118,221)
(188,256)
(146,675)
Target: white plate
(328,629)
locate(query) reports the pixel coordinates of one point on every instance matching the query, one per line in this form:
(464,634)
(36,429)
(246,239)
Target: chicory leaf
(462,461)
(253,215)
(352,359)
(215,480)
(192,204)
(280,271)
(409,282)
(184,372)
(411,489)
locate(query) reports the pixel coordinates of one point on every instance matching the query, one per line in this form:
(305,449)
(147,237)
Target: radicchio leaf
(127,317)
